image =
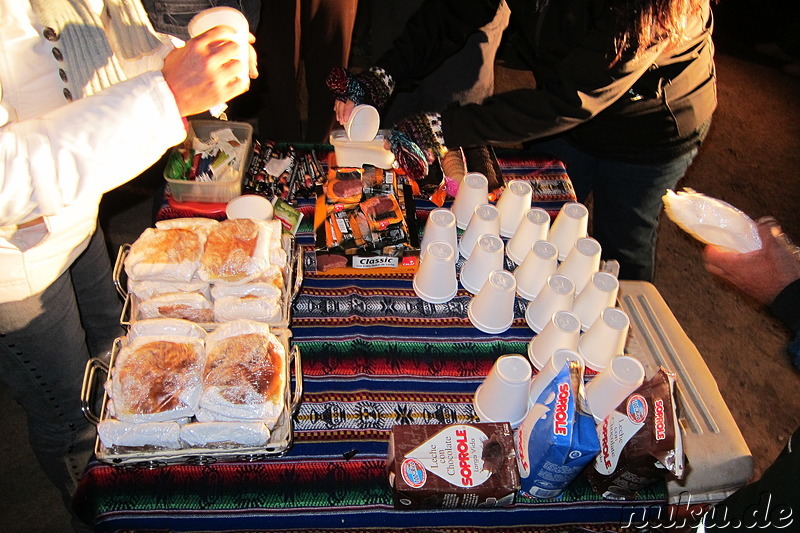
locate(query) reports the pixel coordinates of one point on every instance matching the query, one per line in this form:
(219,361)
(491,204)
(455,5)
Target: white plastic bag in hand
(712,221)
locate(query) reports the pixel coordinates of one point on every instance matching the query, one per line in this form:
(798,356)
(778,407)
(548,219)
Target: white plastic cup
(539,264)
(485,221)
(435,280)
(472,192)
(249,206)
(492,309)
(486,257)
(557,294)
(225,16)
(440,226)
(611,386)
(605,339)
(581,262)
(571,223)
(561,332)
(601,292)
(513,204)
(550,370)
(533,227)
(503,395)
(363,124)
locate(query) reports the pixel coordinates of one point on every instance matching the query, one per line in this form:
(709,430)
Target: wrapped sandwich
(236,251)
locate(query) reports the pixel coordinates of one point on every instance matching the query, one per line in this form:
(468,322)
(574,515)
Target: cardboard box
(364,219)
(452,466)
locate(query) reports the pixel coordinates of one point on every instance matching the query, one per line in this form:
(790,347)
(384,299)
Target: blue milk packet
(558,437)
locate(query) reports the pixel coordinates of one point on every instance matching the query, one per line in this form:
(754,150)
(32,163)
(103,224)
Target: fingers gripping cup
(485,221)
(472,192)
(486,257)
(225,16)
(492,309)
(605,339)
(435,280)
(550,370)
(601,292)
(611,386)
(556,295)
(440,226)
(503,395)
(539,264)
(561,332)
(571,224)
(513,204)
(581,262)
(533,227)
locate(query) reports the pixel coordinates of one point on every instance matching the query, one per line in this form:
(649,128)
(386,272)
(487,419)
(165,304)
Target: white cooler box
(718,458)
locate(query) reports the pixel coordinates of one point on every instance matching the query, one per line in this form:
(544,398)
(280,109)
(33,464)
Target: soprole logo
(661,427)
(604,446)
(375,262)
(462,447)
(560,418)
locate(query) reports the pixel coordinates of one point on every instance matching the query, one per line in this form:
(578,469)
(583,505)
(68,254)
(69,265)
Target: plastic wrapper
(236,251)
(217,433)
(557,438)
(343,186)
(253,301)
(199,224)
(243,377)
(157,375)
(188,306)
(144,290)
(172,254)
(641,441)
(159,434)
(712,221)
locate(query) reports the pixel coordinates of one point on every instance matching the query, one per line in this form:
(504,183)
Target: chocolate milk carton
(558,438)
(458,465)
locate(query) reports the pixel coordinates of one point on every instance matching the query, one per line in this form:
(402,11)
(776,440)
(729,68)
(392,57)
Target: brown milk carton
(449,466)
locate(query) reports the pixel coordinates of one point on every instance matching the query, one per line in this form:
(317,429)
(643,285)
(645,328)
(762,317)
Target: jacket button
(50,34)
(67,95)
(62,75)
(58,55)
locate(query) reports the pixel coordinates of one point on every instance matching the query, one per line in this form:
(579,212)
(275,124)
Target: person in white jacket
(90,96)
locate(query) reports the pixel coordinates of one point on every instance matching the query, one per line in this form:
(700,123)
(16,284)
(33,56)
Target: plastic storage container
(215,191)
(359,153)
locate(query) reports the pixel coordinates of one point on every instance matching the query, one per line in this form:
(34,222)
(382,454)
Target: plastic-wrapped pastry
(253,301)
(199,224)
(158,434)
(236,251)
(165,254)
(219,433)
(157,375)
(144,290)
(244,375)
(190,306)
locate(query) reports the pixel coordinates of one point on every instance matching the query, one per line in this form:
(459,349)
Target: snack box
(364,219)
(214,191)
(452,466)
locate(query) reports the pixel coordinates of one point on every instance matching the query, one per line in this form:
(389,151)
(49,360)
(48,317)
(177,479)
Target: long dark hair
(643,23)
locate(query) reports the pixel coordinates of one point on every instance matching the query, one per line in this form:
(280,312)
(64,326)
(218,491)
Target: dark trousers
(45,342)
(316,34)
(626,201)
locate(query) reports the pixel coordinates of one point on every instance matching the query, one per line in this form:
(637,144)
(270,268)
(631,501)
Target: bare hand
(761,274)
(206,71)
(343,110)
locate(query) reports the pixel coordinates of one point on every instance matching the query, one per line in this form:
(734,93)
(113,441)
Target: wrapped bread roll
(158,434)
(242,433)
(144,290)
(198,224)
(157,375)
(244,375)
(236,251)
(188,306)
(253,301)
(165,254)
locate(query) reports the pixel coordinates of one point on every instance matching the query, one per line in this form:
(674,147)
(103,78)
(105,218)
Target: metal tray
(292,282)
(280,441)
